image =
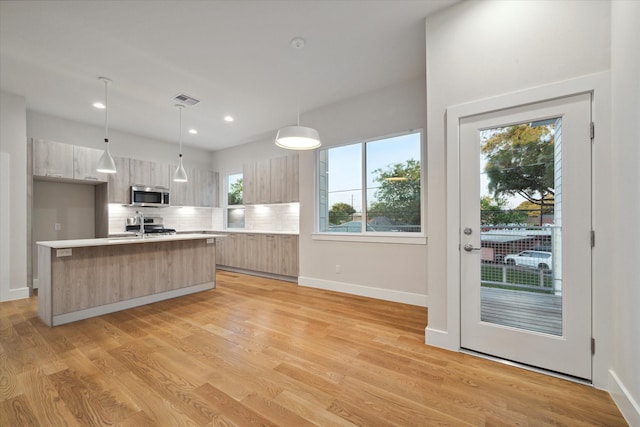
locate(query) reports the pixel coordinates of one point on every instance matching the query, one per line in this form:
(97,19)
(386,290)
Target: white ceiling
(234,56)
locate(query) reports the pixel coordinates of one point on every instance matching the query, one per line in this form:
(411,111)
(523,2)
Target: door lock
(469,247)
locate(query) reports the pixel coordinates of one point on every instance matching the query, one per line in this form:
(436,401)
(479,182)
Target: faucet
(140,218)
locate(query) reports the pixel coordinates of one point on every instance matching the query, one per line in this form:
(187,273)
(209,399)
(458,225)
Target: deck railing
(516,277)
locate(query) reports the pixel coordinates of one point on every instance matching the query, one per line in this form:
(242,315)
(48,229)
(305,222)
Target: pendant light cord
(106,113)
(180,128)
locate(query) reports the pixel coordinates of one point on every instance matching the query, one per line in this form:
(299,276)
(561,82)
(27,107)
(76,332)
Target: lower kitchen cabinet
(260,252)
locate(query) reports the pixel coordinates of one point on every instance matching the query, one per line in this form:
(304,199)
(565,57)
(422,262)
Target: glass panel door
(525,253)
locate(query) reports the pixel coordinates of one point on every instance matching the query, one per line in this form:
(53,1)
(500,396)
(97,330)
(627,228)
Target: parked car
(536,259)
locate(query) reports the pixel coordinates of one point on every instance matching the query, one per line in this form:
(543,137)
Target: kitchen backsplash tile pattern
(180,218)
(280,217)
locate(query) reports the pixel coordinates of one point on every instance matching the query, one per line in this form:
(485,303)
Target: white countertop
(241,230)
(124,240)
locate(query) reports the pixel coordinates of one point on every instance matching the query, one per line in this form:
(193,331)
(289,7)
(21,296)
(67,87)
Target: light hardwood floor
(264,352)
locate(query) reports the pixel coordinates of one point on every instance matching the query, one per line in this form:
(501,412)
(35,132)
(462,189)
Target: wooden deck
(521,309)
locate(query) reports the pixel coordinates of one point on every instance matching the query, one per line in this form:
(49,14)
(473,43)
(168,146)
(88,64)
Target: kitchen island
(79,279)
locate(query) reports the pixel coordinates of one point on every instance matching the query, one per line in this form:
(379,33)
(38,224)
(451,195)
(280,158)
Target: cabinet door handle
(91,178)
(53,175)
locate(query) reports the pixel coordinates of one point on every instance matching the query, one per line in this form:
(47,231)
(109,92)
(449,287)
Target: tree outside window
(385,198)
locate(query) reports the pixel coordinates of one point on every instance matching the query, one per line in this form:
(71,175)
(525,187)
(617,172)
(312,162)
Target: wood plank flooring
(261,352)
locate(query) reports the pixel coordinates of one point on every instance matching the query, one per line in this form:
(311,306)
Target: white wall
(13,198)
(625,203)
(382,270)
(483,49)
(43,126)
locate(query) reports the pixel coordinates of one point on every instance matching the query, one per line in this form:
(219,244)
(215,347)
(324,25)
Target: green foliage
(493,212)
(520,161)
(534,210)
(398,196)
(340,213)
(235,193)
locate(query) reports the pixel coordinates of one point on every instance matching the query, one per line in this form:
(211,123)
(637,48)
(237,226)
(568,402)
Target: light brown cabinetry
(284,179)
(65,161)
(271,181)
(58,160)
(260,252)
(85,161)
(201,190)
(52,159)
(152,174)
(119,182)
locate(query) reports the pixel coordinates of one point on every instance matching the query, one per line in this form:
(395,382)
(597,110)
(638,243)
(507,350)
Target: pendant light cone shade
(106,163)
(180,174)
(298,138)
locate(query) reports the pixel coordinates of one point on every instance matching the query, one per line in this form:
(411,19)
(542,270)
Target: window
(235,204)
(371,187)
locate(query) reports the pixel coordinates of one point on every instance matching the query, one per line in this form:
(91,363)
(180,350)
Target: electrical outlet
(57,226)
(210,241)
(338,268)
(63,252)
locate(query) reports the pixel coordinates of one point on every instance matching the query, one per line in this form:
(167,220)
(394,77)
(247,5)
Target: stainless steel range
(151,225)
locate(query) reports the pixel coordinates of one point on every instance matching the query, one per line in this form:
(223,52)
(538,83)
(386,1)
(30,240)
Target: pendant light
(180,175)
(106,163)
(298,137)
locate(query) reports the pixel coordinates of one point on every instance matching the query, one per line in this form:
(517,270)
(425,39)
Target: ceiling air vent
(185,100)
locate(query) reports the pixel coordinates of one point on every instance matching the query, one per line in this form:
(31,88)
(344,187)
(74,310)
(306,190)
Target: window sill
(393,238)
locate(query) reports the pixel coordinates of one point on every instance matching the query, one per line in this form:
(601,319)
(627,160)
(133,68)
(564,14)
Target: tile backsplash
(280,217)
(180,218)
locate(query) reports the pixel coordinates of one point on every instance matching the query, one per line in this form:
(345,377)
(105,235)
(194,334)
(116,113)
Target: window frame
(372,236)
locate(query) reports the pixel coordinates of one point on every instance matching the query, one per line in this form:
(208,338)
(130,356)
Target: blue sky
(345,166)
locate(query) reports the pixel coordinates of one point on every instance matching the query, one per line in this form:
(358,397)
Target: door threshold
(527,367)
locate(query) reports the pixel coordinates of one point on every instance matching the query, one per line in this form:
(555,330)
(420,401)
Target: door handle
(469,247)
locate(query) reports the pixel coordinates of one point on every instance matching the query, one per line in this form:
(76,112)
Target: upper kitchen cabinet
(119,182)
(58,160)
(271,181)
(152,174)
(201,190)
(284,179)
(206,191)
(52,159)
(85,161)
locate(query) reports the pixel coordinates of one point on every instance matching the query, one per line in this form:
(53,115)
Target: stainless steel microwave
(149,196)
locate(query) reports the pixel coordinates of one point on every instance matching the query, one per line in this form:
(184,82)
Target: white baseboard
(441,339)
(35,283)
(628,406)
(14,294)
(365,291)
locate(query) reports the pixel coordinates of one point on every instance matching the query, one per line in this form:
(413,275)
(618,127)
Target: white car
(535,259)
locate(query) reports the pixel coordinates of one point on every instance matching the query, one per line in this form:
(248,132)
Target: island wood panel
(44,285)
(101,275)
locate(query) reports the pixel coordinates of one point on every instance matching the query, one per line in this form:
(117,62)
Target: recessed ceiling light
(193,131)
(99,105)
(228,119)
